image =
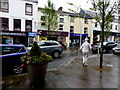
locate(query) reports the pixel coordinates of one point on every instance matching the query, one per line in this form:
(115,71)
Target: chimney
(60,9)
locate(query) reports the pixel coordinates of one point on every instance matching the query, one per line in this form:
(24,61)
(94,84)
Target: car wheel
(18,69)
(56,54)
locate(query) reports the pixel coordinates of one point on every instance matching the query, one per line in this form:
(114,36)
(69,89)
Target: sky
(84,4)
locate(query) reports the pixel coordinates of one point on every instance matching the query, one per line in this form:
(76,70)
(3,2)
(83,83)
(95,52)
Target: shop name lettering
(53,33)
(20,34)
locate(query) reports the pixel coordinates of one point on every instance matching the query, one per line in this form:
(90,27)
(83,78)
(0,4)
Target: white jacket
(85,47)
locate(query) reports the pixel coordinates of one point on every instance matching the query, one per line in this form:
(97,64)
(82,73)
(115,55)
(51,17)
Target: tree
(50,17)
(104,10)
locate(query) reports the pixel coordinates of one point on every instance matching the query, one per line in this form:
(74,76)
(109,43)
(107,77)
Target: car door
(51,46)
(43,46)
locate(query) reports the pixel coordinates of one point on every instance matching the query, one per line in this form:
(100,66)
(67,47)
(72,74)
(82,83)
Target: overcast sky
(85,4)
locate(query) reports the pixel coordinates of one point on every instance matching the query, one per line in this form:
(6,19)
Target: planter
(37,73)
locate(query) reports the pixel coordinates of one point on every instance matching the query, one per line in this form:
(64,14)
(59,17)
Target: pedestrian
(85,48)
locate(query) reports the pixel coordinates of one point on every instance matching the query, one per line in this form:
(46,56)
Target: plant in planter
(36,62)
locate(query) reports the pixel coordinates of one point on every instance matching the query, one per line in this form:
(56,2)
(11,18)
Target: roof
(84,14)
(116,21)
(34,1)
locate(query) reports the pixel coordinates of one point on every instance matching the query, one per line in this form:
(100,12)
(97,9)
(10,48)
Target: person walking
(85,48)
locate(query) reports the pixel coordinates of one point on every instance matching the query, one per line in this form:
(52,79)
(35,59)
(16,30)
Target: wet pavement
(73,75)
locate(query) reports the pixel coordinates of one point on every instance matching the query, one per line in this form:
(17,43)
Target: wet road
(65,57)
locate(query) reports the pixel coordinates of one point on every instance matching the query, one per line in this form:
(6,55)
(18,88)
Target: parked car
(11,55)
(53,48)
(116,50)
(107,46)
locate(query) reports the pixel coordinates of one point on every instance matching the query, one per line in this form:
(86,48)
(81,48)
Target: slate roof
(35,1)
(83,13)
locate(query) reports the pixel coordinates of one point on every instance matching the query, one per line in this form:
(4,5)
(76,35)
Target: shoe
(83,65)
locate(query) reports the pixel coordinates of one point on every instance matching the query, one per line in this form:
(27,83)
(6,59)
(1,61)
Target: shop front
(31,38)
(75,39)
(52,35)
(14,37)
(108,36)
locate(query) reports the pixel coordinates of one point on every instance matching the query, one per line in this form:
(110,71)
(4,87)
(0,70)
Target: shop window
(60,27)
(4,5)
(28,26)
(4,24)
(72,29)
(71,19)
(85,30)
(86,21)
(17,24)
(61,20)
(28,9)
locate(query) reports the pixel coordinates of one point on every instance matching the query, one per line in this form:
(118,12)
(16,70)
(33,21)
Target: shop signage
(77,34)
(32,34)
(52,33)
(6,37)
(43,38)
(12,34)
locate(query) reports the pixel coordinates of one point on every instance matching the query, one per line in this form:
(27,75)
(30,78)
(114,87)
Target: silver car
(116,50)
(53,48)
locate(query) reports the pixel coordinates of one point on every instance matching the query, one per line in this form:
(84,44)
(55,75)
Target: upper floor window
(71,19)
(4,5)
(43,18)
(28,25)
(95,24)
(60,27)
(85,30)
(72,29)
(115,27)
(17,24)
(61,20)
(86,21)
(4,24)
(43,26)
(28,9)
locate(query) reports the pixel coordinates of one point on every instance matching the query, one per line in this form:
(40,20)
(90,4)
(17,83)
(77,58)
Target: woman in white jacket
(85,48)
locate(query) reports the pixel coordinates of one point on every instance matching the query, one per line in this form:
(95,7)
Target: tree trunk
(102,38)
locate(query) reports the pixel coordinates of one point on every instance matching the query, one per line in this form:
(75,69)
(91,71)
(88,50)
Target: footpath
(73,75)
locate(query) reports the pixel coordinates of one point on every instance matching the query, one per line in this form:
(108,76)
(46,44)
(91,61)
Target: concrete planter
(37,73)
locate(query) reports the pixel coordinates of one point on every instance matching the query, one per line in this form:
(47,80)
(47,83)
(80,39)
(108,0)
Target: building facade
(109,35)
(70,25)
(18,21)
